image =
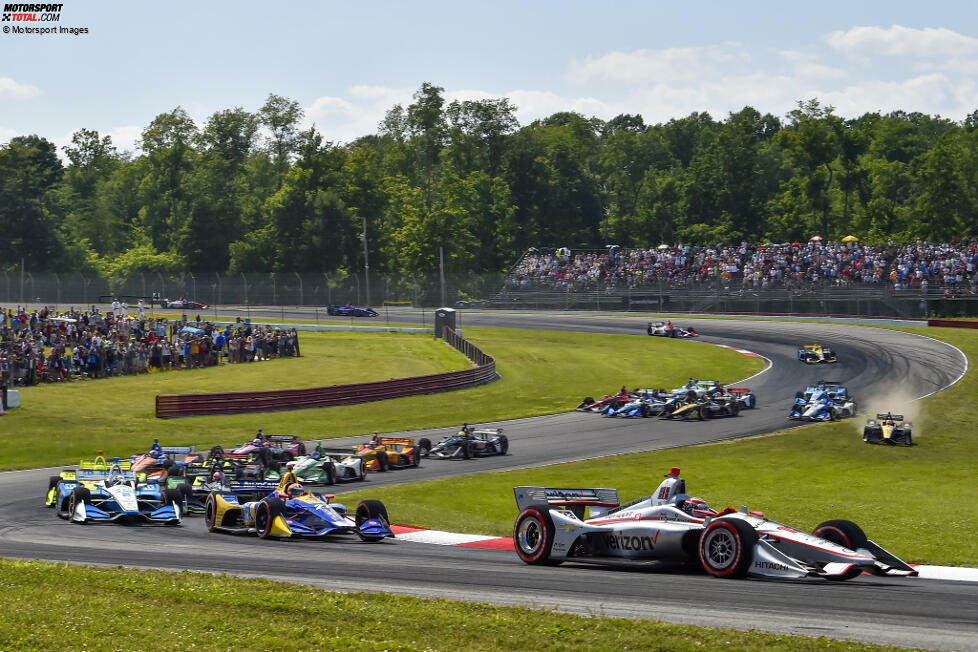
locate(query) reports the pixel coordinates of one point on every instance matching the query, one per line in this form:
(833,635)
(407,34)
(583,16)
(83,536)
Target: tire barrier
(952,323)
(185,405)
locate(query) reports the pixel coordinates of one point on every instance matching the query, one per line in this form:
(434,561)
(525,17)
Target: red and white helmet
(697,507)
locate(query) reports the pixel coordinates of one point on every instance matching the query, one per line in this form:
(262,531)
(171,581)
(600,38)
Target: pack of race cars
(262,488)
(699,399)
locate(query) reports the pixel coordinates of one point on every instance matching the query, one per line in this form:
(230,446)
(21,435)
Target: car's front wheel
(265,514)
(843,533)
(726,547)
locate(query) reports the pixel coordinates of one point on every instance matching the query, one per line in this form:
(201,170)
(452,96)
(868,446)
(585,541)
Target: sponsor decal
(630,542)
(569,527)
(770,565)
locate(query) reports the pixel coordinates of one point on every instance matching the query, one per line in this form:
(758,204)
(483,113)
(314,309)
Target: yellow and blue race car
(816,354)
(290,510)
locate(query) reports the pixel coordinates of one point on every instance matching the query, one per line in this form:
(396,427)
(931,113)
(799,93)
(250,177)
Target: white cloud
(657,66)
(6,134)
(124,138)
(17,90)
(897,40)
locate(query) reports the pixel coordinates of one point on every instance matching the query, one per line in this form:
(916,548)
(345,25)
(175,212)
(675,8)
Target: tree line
(254,191)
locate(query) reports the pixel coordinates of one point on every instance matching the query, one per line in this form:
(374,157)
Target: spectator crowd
(41,345)
(920,265)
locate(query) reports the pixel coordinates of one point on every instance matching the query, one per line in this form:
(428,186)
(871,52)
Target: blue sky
(347,63)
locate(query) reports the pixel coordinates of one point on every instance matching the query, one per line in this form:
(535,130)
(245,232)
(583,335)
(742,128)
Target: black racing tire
(383,462)
(285,457)
(704,413)
(216,453)
(734,408)
(909,439)
(167,463)
(726,547)
(174,497)
(265,513)
(533,535)
(424,446)
(587,402)
(503,444)
(371,509)
(466,450)
(210,511)
(330,470)
(78,495)
(646,412)
(53,481)
(843,533)
(616,404)
(363,470)
(302,449)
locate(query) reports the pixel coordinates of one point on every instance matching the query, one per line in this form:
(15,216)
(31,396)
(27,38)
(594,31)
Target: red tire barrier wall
(952,323)
(185,405)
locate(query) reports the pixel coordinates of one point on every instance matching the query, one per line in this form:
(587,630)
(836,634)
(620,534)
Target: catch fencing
(483,372)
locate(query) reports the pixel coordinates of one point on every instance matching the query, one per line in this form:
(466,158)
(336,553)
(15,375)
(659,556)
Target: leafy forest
(254,191)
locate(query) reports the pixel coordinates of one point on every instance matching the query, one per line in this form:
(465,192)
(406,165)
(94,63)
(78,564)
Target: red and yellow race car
(382,453)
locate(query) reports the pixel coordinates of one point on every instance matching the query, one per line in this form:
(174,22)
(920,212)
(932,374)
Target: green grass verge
(65,421)
(918,502)
(542,373)
(47,606)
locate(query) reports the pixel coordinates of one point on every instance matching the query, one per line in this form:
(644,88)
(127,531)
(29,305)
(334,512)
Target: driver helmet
(889,422)
(696,507)
(295,490)
(217,476)
(256,442)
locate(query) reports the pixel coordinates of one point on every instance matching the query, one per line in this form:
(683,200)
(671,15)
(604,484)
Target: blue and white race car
(824,401)
(116,496)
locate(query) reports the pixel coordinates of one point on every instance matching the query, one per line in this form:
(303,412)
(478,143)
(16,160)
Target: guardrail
(952,323)
(185,405)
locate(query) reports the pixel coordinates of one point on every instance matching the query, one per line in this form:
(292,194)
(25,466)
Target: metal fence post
(218,276)
(194,279)
(329,290)
(57,280)
(245,281)
(299,279)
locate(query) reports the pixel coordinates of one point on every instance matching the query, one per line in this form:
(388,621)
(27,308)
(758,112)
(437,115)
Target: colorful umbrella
(850,238)
(815,238)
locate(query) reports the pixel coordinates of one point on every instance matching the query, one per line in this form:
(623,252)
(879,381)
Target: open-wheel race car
(671,528)
(888,429)
(384,453)
(350,311)
(290,510)
(706,407)
(115,495)
(816,354)
(666,329)
(471,442)
(323,467)
(826,400)
(183,304)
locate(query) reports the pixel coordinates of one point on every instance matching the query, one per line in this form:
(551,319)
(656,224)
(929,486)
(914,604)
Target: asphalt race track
(873,363)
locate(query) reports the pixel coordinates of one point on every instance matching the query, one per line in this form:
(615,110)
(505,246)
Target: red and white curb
(442,538)
(740,351)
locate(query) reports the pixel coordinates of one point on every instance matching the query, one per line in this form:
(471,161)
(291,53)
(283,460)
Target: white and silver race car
(670,527)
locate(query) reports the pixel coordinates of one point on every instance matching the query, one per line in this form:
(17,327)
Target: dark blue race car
(350,311)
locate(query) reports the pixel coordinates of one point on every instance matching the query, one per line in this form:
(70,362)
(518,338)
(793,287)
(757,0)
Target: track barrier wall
(186,405)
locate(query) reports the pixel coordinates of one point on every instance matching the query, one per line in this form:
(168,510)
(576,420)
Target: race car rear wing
(738,390)
(253,486)
(895,417)
(396,441)
(292,439)
(526,496)
(94,475)
(177,450)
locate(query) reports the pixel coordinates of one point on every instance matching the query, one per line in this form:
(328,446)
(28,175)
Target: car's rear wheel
(466,450)
(734,408)
(533,535)
(704,413)
(424,446)
(265,513)
(843,533)
(329,473)
(726,547)
(382,462)
(503,444)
